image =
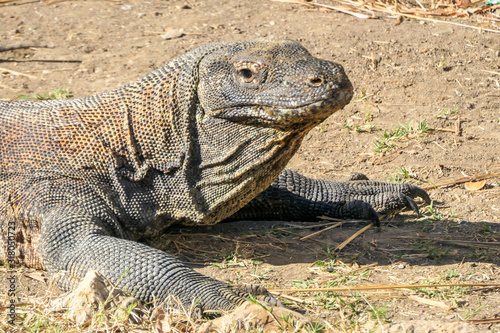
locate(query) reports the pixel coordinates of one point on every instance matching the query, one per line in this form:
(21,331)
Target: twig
(437,144)
(440,129)
(206,235)
(312,226)
(385,286)
(458,130)
(324,217)
(320,231)
(297,236)
(24,45)
(484,321)
(448,22)
(397,11)
(361,16)
(6,87)
(4,2)
(56,70)
(16,73)
(291,298)
(350,239)
(147,32)
(483,70)
(429,302)
(479,176)
(484,245)
(50,2)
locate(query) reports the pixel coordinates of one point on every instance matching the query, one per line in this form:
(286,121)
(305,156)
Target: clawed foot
(259,292)
(221,297)
(385,197)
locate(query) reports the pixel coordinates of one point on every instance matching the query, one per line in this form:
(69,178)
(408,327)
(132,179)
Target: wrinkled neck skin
(235,162)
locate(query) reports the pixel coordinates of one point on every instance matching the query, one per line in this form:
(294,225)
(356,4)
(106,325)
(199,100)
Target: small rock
(173,33)
(251,316)
(93,293)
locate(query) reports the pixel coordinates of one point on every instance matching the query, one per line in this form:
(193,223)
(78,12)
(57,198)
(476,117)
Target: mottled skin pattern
(193,143)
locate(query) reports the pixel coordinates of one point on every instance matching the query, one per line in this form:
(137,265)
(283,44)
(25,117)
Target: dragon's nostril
(316,81)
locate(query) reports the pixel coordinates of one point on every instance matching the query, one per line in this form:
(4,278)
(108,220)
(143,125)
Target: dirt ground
(405,72)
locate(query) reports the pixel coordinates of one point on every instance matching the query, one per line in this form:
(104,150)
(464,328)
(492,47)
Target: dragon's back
(58,136)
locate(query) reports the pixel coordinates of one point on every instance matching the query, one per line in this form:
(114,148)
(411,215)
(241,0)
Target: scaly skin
(192,142)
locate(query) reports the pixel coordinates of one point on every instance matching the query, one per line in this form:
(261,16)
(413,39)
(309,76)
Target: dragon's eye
(250,74)
(246,75)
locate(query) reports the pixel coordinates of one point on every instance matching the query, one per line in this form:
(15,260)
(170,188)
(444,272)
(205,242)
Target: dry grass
(482,13)
(347,303)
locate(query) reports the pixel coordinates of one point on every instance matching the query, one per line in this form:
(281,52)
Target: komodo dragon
(203,139)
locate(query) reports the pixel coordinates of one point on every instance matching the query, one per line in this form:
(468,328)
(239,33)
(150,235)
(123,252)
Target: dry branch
(484,321)
(479,176)
(320,231)
(457,242)
(350,239)
(408,10)
(16,73)
(342,10)
(23,45)
(429,302)
(384,287)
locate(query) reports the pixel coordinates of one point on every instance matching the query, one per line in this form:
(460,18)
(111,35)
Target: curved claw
(361,210)
(373,216)
(418,192)
(411,204)
(271,300)
(197,312)
(261,292)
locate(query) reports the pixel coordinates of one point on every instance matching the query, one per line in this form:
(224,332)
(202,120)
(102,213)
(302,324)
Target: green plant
(402,175)
(472,313)
(452,273)
(351,126)
(259,276)
(447,112)
(379,312)
(434,212)
(363,95)
(442,63)
(384,142)
(485,228)
(314,327)
(59,93)
(329,252)
(423,127)
(382,146)
(452,110)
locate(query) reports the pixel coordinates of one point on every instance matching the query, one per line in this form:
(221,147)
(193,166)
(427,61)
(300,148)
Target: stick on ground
(23,45)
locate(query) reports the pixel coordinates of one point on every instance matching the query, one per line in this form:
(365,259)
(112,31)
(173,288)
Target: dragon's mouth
(298,117)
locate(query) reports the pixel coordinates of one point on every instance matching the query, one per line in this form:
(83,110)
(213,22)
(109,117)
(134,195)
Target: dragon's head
(272,84)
